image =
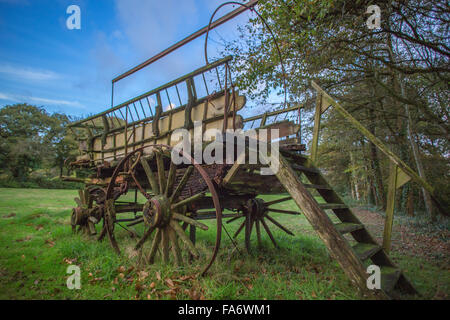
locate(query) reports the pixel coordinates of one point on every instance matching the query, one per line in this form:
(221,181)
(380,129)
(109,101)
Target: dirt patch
(409,240)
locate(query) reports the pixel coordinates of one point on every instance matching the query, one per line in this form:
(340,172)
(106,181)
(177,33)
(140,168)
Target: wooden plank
(315,140)
(234,169)
(338,247)
(298,167)
(389,219)
(331,206)
(402,178)
(346,227)
(392,156)
(366,250)
(389,278)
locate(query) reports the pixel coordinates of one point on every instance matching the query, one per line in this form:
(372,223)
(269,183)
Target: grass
(37,246)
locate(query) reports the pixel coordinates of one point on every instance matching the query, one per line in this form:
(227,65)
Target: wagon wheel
(256,213)
(167,205)
(86,214)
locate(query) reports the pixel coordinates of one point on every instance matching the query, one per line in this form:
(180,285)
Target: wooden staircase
(295,168)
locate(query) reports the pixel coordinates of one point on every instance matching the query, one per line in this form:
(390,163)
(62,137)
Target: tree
(375,73)
(30,138)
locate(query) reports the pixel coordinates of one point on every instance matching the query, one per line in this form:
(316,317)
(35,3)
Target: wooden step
(389,278)
(326,206)
(317,186)
(293,155)
(298,167)
(347,227)
(366,250)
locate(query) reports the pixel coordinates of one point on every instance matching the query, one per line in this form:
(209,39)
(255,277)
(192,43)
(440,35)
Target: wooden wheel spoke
(82,196)
(182,184)
(283,211)
(239,229)
(161,172)
(170,179)
(269,233)
(190,221)
(112,238)
(278,224)
(150,176)
(175,248)
(78,202)
(175,226)
(144,238)
(154,247)
(165,245)
(235,218)
(248,231)
(91,228)
(258,232)
(187,201)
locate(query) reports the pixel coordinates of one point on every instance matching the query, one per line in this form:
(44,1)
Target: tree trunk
(426,196)
(410,202)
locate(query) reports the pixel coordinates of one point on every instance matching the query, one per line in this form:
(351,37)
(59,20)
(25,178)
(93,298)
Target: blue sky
(45,64)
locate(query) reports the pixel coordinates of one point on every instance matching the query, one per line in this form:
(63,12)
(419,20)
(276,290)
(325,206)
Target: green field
(37,246)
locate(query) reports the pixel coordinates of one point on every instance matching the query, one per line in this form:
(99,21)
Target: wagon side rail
(148,106)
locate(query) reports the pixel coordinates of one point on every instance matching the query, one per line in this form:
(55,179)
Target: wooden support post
(390,207)
(397,178)
(315,140)
(382,147)
(338,247)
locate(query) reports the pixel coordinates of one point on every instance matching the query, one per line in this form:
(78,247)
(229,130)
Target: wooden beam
(389,219)
(338,247)
(315,140)
(383,148)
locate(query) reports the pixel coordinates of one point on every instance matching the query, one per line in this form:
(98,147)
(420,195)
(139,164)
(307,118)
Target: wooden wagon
(129,149)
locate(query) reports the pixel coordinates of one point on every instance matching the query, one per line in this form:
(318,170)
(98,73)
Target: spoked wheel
(175,191)
(256,213)
(86,214)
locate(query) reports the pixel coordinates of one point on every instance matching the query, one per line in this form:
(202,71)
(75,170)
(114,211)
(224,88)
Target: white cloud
(27,73)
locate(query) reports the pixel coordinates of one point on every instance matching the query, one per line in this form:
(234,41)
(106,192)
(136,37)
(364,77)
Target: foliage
(31,138)
(378,75)
(41,246)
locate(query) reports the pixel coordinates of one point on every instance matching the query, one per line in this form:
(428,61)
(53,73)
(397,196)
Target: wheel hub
(256,208)
(157,211)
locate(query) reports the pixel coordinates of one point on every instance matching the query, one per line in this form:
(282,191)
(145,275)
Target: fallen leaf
(158,275)
(170,282)
(142,275)
(12,214)
(50,242)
